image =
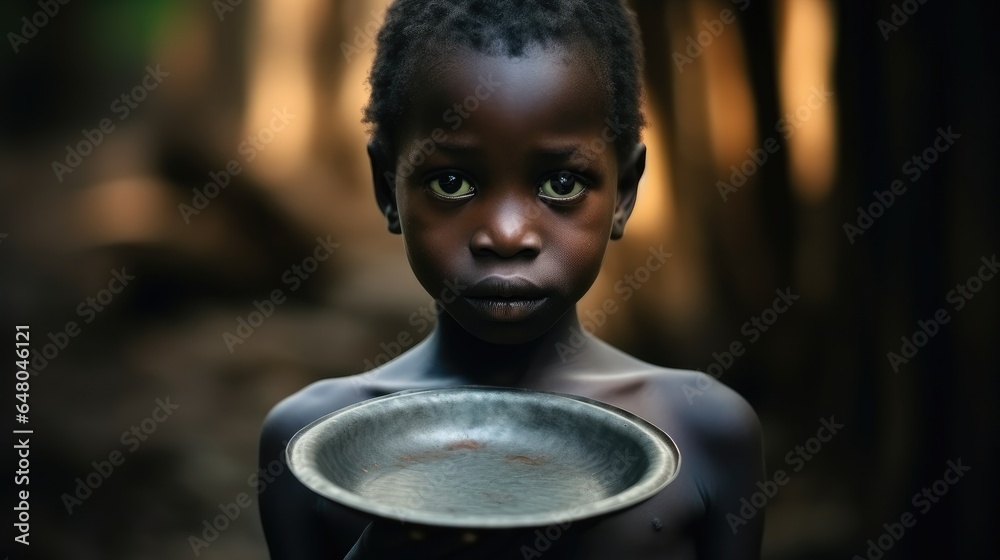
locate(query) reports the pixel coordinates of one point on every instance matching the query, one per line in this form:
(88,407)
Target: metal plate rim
(299,464)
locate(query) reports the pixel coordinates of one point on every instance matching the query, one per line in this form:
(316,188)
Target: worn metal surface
(483,457)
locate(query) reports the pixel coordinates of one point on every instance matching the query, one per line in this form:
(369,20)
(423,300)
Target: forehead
(466,93)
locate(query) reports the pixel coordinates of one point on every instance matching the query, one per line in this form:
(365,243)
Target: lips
(505,287)
(505,298)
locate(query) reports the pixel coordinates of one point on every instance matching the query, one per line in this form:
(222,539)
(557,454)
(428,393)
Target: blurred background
(166,165)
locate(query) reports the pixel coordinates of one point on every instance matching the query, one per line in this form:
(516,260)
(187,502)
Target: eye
(561,188)
(451,186)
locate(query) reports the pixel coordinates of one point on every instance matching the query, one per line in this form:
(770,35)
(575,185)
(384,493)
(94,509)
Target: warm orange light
(805,48)
(654,211)
(280,78)
(732,125)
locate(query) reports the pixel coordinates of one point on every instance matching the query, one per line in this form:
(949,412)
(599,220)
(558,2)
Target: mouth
(505,309)
(505,287)
(505,298)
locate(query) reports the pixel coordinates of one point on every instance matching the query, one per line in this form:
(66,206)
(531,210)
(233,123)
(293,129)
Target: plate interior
(483,457)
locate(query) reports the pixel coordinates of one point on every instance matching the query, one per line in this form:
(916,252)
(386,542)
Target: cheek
(587,260)
(595,226)
(414,233)
(431,249)
(583,252)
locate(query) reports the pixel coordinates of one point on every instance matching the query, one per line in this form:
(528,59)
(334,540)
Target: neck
(471,360)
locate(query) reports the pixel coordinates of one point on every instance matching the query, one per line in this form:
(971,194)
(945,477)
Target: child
(506,152)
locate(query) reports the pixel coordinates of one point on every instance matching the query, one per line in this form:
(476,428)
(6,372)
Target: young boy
(506,152)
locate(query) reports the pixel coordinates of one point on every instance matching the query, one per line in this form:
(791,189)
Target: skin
(538,124)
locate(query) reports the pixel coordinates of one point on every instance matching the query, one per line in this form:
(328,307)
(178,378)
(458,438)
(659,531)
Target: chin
(508,334)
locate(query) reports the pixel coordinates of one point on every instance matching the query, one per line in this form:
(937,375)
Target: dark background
(162,336)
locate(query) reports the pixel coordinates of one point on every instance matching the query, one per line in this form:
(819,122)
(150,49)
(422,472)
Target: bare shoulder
(289,511)
(704,412)
(687,402)
(307,405)
(718,436)
(708,409)
(722,445)
(330,395)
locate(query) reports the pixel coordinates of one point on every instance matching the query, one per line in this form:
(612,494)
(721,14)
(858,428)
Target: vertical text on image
(22,447)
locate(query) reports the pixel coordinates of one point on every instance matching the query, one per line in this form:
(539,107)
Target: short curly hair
(506,27)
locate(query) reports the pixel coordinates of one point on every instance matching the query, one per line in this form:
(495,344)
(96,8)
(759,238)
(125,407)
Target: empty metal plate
(483,457)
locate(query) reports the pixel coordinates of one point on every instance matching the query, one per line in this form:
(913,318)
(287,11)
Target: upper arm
(285,509)
(296,521)
(730,431)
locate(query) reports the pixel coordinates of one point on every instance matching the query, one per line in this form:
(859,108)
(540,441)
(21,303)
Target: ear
(384,178)
(629,174)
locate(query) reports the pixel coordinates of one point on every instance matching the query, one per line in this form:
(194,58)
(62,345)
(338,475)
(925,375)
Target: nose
(509,227)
